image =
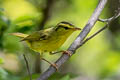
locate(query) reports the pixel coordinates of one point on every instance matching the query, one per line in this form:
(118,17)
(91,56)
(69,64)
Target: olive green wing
(37,36)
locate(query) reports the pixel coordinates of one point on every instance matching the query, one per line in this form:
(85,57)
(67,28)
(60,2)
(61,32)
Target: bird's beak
(76,28)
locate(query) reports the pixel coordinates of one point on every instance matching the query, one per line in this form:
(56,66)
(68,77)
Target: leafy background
(98,59)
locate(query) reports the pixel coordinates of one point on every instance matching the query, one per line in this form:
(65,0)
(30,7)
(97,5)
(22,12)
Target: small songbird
(50,39)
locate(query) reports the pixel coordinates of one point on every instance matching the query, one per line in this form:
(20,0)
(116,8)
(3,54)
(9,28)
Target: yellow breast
(49,45)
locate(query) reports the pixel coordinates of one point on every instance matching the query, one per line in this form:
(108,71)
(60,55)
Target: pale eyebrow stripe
(64,25)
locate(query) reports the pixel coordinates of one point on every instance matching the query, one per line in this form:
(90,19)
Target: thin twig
(94,34)
(109,19)
(117,14)
(27,66)
(76,44)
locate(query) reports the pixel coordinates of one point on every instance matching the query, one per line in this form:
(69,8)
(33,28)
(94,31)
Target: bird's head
(66,27)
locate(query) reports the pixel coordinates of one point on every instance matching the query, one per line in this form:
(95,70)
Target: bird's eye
(65,28)
(43,37)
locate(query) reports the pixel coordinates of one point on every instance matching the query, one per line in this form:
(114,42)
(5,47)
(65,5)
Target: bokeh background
(98,59)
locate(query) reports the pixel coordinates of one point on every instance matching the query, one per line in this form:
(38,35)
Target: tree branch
(76,44)
(117,14)
(46,14)
(96,33)
(109,20)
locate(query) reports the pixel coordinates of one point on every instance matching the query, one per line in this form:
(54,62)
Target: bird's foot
(54,65)
(63,51)
(67,52)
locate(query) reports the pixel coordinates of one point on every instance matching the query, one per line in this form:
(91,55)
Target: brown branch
(110,19)
(46,14)
(2,30)
(76,44)
(27,65)
(37,64)
(116,15)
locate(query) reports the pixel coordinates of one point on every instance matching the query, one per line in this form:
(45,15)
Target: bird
(49,40)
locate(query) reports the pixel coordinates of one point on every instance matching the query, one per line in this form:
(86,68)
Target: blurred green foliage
(98,58)
(1,60)
(55,76)
(3,74)
(59,76)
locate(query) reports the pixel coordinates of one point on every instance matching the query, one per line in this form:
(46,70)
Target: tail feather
(21,35)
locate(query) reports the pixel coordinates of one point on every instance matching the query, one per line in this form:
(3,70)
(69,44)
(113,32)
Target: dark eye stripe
(43,37)
(66,28)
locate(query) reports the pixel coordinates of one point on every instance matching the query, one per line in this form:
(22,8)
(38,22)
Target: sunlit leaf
(1,60)
(66,77)
(34,76)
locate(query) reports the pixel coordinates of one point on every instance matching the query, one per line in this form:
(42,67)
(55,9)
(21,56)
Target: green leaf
(1,61)
(55,76)
(34,77)
(66,77)
(59,76)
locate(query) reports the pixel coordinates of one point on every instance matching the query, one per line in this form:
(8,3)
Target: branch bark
(108,21)
(46,14)
(76,44)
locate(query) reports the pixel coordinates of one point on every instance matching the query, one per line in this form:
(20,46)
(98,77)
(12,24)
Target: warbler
(48,40)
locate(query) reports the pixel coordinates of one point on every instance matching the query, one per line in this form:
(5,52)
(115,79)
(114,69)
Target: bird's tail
(21,35)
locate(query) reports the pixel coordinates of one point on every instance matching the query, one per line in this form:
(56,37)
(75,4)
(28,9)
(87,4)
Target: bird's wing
(21,35)
(37,36)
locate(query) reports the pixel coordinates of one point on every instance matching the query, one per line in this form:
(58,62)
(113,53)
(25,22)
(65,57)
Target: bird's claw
(67,52)
(55,66)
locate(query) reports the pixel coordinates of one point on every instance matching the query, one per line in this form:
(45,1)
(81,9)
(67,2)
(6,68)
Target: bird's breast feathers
(48,45)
